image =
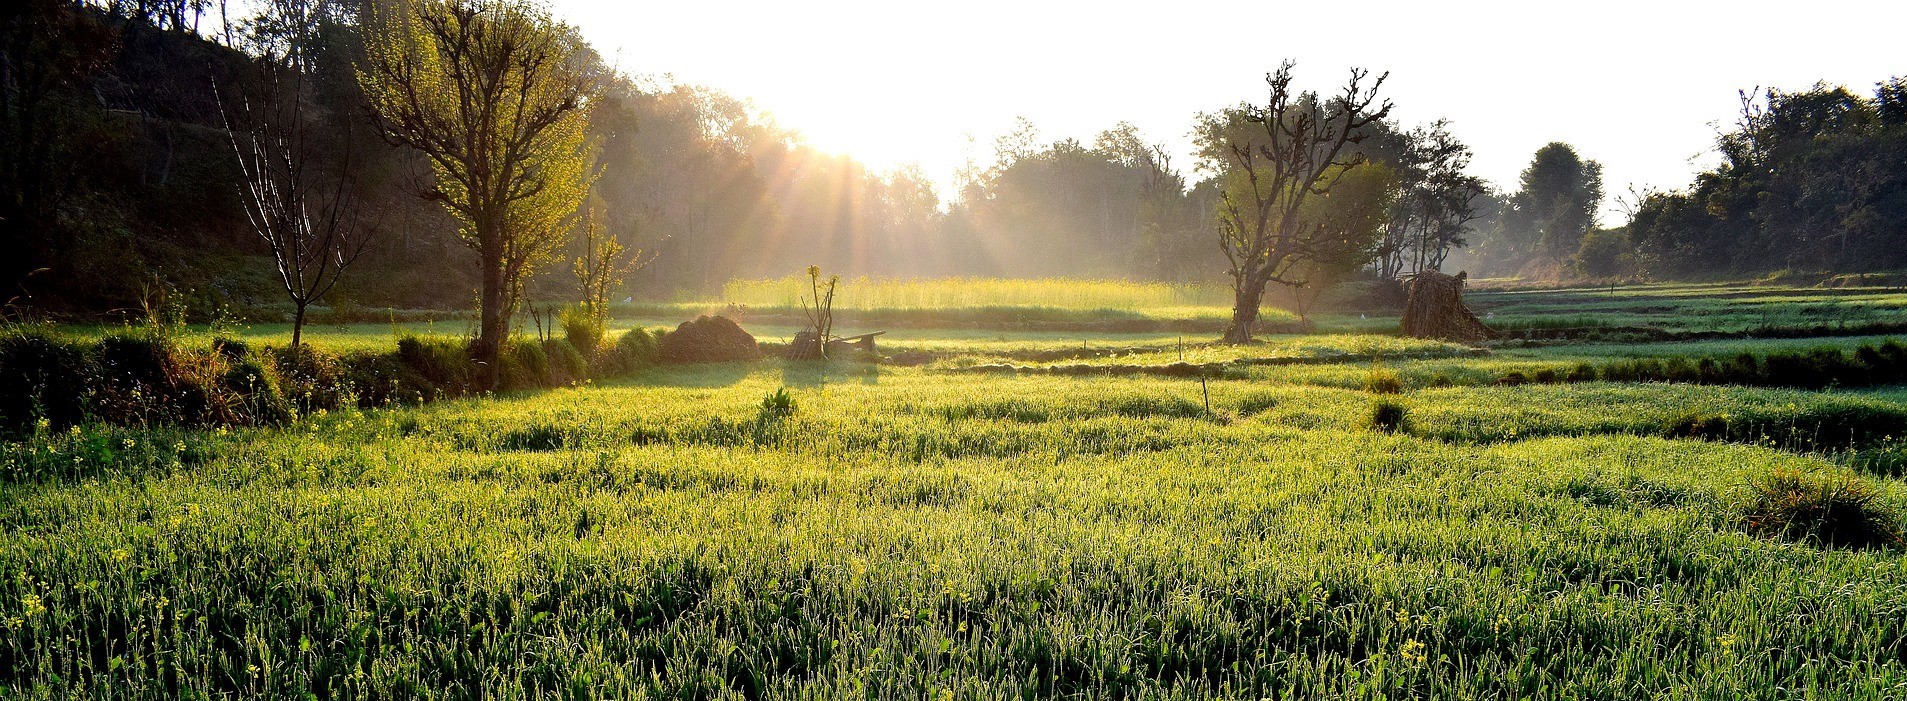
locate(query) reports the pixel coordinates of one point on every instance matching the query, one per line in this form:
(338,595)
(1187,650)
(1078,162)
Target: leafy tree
(604,261)
(1555,205)
(1815,179)
(494,96)
(1605,253)
(1435,204)
(1275,159)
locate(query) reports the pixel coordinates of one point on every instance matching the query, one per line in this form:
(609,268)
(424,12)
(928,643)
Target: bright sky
(1639,86)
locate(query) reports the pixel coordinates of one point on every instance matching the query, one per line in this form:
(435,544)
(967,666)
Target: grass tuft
(1383,381)
(1835,510)
(1389,416)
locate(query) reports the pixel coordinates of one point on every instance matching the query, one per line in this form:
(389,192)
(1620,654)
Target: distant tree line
(1809,181)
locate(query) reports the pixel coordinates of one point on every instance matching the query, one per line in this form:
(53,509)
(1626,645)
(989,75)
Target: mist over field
(427,349)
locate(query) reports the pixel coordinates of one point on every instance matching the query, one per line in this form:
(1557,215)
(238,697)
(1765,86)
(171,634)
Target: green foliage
(778,404)
(1605,253)
(583,329)
(445,364)
(1797,166)
(568,365)
(1817,368)
(43,378)
(1833,509)
(638,348)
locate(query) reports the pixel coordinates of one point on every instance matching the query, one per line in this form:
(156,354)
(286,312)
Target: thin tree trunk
(297,331)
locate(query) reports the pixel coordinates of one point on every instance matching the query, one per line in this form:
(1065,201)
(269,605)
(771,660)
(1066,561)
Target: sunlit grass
(901,533)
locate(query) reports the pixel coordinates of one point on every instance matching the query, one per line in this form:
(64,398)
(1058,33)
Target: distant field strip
(954,293)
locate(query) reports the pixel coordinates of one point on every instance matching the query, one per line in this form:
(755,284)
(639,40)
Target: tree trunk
(493,320)
(297,330)
(1246,296)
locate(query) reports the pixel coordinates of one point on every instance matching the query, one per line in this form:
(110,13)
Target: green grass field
(918,530)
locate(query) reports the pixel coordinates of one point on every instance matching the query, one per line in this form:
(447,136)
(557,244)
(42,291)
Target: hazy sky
(1638,86)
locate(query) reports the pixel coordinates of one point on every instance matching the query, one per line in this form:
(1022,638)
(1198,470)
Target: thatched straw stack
(1436,310)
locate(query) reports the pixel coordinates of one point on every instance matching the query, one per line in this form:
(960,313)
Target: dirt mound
(708,339)
(1436,310)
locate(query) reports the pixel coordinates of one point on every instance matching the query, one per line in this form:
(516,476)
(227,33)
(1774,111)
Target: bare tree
(1279,156)
(304,212)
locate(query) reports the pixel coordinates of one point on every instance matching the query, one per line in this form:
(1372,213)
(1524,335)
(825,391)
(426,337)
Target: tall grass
(916,293)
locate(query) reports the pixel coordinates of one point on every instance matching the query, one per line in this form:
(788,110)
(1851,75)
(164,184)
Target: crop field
(1697,308)
(997,513)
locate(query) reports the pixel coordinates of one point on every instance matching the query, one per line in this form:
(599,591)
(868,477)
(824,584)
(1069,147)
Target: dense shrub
(1811,369)
(256,388)
(143,378)
(1830,428)
(383,379)
(231,348)
(312,379)
(638,348)
(525,365)
(1824,509)
(444,363)
(568,365)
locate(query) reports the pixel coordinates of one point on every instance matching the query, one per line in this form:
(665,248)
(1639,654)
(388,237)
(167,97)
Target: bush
(1679,369)
(138,381)
(525,365)
(1383,381)
(258,391)
(231,348)
(566,361)
(384,379)
(777,404)
(42,377)
(1837,510)
(638,348)
(312,379)
(1389,416)
(443,363)
(1744,368)
(1709,372)
(583,330)
(1708,427)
